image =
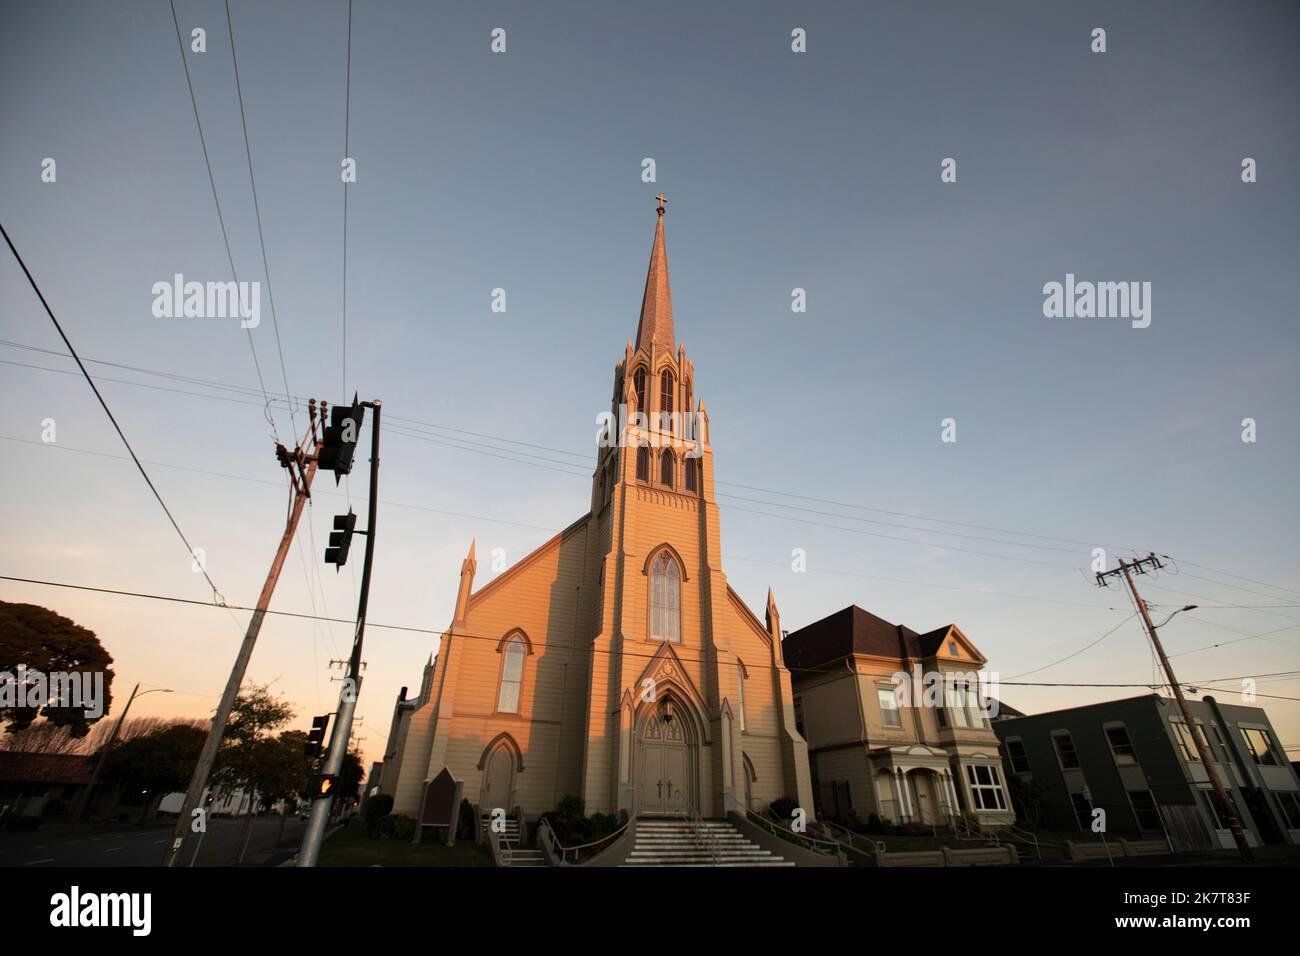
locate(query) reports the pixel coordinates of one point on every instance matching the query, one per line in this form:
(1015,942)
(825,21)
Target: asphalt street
(144,847)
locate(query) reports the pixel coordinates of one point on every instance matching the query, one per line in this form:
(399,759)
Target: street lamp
(103,752)
(1189,607)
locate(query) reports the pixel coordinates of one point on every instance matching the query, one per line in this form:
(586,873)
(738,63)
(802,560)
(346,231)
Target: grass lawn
(351,848)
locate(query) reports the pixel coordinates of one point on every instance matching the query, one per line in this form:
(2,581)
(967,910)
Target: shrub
(377,807)
(403,826)
(913,828)
(572,827)
(783,808)
(467,824)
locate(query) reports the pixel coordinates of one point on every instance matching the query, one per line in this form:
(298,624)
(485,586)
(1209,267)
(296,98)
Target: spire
(656,325)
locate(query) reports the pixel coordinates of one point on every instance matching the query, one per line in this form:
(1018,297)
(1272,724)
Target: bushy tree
(44,641)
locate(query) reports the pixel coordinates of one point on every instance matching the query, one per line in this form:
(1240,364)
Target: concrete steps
(519,856)
(664,842)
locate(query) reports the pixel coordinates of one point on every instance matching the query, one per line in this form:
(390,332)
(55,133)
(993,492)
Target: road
(144,847)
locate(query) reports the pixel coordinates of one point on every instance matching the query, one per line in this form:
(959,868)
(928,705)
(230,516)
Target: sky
(523,171)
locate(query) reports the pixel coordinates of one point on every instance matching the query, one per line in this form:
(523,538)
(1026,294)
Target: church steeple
(656,325)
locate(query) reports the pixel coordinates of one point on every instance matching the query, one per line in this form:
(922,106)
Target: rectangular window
(1121,746)
(1082,810)
(986,787)
(1017,756)
(1260,745)
(798,717)
(956,707)
(1211,802)
(1144,808)
(974,709)
(1065,754)
(889,708)
(1290,803)
(1184,740)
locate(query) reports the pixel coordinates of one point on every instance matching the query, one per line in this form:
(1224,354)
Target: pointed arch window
(638,386)
(643,463)
(692,481)
(512,675)
(666,399)
(665,600)
(667,468)
(741,675)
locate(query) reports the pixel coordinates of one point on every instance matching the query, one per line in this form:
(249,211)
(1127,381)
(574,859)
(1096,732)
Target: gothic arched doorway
(667,758)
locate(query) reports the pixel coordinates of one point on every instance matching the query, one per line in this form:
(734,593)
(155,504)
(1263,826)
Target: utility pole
(1141,566)
(351,689)
(84,799)
(302,469)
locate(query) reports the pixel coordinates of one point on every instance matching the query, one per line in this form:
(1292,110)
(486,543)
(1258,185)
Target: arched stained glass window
(667,467)
(665,600)
(643,464)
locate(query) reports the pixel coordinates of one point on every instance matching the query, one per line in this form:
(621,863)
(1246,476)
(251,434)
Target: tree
(47,643)
(252,759)
(157,763)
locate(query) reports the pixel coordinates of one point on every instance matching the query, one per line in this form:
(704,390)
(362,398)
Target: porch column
(898,797)
(907,793)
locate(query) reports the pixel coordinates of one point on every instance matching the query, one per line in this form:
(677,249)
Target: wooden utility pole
(302,469)
(1141,566)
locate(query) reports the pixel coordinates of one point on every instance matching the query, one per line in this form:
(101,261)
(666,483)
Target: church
(614,663)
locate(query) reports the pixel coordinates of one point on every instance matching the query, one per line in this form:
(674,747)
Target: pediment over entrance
(665,674)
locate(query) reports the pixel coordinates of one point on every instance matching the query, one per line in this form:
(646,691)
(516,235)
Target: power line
(347,133)
(624,651)
(565,468)
(221,219)
(555,530)
(216,595)
(1080,650)
(257,210)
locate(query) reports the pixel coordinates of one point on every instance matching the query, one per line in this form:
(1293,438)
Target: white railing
(546,833)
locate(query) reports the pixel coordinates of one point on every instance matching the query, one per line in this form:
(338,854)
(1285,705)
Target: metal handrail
(844,837)
(1025,836)
(818,846)
(704,837)
(563,851)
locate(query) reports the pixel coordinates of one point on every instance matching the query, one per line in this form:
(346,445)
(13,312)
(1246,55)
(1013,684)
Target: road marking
(34,862)
(113,849)
(159,841)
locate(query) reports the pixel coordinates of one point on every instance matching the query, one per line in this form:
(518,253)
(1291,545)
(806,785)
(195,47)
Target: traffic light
(341,539)
(323,785)
(339,442)
(316,736)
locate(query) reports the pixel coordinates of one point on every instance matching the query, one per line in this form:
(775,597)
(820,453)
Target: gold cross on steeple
(662,199)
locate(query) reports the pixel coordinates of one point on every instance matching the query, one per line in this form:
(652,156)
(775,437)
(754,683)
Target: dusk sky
(523,171)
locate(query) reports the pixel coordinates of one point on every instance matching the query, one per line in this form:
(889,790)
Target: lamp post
(103,752)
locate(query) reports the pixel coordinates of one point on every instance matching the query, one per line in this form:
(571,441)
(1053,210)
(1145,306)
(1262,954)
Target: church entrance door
(497,781)
(665,783)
